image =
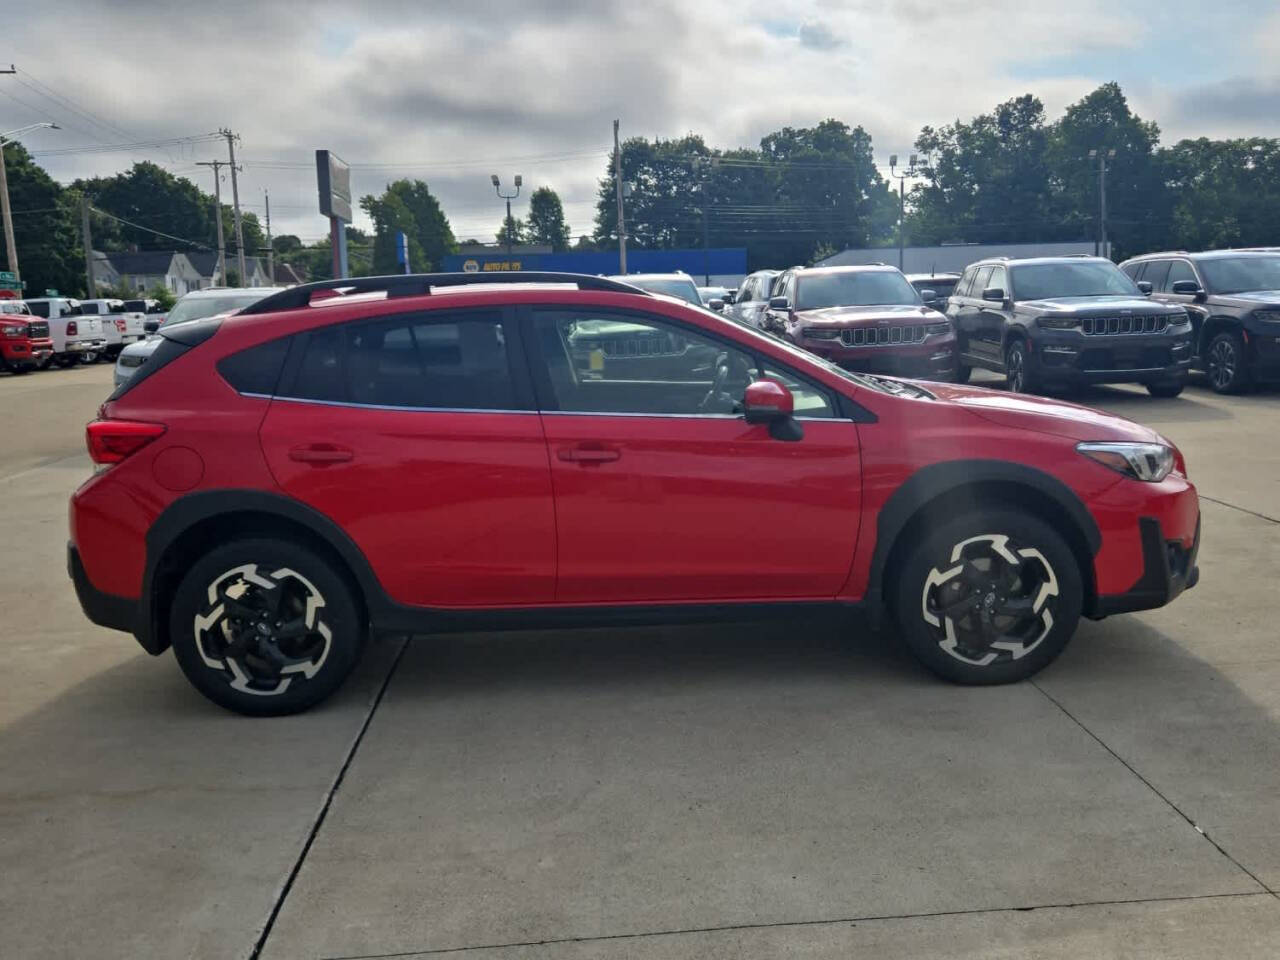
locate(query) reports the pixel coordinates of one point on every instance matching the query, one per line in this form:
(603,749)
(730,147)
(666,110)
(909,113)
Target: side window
(811,400)
(257,369)
(998,279)
(966,281)
(39,309)
(416,362)
(597,362)
(980,281)
(1179,270)
(1155,274)
(1131,269)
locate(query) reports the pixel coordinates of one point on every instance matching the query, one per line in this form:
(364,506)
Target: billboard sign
(334,179)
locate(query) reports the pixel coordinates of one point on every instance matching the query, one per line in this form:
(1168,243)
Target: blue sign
(402,250)
(718,261)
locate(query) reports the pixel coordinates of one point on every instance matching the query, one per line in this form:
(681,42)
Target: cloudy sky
(451,92)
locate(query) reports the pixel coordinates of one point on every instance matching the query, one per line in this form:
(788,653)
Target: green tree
(45,219)
(1221,193)
(545,222)
(510,231)
(1137,204)
(163,295)
(316,261)
(408,206)
(155,200)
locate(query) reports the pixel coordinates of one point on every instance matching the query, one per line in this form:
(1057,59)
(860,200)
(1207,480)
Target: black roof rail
(420,284)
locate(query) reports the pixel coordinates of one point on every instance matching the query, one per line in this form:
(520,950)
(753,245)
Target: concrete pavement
(743,790)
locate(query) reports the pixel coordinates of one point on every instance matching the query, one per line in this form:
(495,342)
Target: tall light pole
(621,191)
(5,140)
(1102,156)
(902,201)
(507,197)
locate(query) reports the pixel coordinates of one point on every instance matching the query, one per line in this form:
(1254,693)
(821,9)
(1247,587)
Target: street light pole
(5,140)
(493,178)
(1100,245)
(902,177)
(622,222)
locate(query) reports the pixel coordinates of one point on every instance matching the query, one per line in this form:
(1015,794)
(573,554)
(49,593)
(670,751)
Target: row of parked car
(1050,323)
(43,331)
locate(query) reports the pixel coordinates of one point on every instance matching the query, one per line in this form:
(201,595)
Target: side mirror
(994,294)
(150,326)
(769,402)
(929,296)
(1186,287)
(779,303)
(716,304)
(730,297)
(1145,287)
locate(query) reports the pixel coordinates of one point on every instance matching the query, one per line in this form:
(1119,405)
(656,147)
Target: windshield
(861,289)
(684,289)
(1049,281)
(197,307)
(1241,274)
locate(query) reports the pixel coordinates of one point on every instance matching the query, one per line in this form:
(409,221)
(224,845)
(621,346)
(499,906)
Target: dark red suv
(427,453)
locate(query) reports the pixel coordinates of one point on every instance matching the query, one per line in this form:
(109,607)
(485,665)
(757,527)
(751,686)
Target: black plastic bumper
(1167,569)
(104,609)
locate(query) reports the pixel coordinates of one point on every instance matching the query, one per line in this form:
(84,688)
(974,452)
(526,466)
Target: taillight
(111,441)
(72,329)
(120,324)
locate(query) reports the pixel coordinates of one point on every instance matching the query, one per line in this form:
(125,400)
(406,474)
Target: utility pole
(1100,245)
(8,218)
(622,223)
(271,254)
(217,215)
(235,202)
(910,171)
(90,284)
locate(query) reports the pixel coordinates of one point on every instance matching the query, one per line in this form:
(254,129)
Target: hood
(1250,298)
(1043,414)
(869,316)
(1099,306)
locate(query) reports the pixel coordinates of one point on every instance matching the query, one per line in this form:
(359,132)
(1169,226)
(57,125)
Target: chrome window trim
(384,406)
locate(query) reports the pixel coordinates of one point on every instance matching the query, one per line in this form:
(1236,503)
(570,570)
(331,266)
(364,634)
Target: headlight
(1058,323)
(937,329)
(14,331)
(1267,316)
(1151,462)
(822,333)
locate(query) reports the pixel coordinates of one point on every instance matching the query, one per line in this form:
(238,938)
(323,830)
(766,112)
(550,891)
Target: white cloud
(452,93)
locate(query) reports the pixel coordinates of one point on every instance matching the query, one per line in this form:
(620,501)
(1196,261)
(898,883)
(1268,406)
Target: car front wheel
(991,597)
(1018,368)
(265,627)
(1226,364)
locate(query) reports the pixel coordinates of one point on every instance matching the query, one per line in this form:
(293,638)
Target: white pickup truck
(120,326)
(76,338)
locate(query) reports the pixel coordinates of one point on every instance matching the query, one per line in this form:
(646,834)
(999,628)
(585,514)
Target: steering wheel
(720,398)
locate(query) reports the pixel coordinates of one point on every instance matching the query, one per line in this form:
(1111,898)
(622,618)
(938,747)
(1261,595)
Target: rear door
(417,435)
(989,340)
(663,492)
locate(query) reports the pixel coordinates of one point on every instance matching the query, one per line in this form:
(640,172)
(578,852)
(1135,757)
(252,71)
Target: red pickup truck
(24,339)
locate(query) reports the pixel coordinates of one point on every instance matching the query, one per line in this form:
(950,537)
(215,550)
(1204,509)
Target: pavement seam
(323,812)
(728,928)
(1232,506)
(1152,787)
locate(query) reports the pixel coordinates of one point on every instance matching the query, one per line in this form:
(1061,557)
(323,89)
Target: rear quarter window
(257,369)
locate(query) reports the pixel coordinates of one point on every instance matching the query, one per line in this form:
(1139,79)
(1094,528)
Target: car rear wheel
(1226,364)
(66,361)
(963,373)
(1168,389)
(89,356)
(1018,368)
(265,627)
(990,597)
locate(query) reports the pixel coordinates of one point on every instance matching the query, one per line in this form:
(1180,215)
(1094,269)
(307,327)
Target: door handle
(321,454)
(588,455)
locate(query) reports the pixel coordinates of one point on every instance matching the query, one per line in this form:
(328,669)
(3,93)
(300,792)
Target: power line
(138,226)
(64,103)
(128,147)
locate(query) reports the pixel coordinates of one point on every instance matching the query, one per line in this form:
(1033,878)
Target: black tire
(235,657)
(1227,364)
(1040,596)
(963,373)
(1166,390)
(66,361)
(1019,368)
(18,369)
(88,357)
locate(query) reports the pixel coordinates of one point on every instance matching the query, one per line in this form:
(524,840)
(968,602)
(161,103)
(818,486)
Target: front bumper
(26,353)
(1072,357)
(934,359)
(1168,568)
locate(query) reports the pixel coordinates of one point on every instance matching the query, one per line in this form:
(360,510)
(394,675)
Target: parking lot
(737,790)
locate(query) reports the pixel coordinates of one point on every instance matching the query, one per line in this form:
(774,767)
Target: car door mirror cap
(779,303)
(1145,287)
(767,401)
(929,296)
(1187,288)
(716,304)
(994,294)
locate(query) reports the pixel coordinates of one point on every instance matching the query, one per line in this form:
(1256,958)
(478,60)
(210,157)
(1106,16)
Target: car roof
(208,292)
(913,277)
(1018,261)
(629,277)
(849,268)
(1204,254)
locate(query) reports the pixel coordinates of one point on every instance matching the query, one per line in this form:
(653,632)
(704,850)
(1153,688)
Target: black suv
(1061,322)
(1233,297)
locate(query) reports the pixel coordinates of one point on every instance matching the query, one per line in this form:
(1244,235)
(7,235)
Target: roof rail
(420,284)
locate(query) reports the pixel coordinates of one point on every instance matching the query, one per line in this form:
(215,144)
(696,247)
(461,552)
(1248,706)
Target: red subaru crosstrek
(427,453)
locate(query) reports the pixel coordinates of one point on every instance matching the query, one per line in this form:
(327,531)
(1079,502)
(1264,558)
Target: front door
(663,492)
(416,435)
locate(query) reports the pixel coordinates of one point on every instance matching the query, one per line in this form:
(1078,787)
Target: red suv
(454,452)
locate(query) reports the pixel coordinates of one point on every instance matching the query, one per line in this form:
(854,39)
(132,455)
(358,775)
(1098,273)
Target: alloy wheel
(1222,364)
(991,601)
(263,630)
(1016,370)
